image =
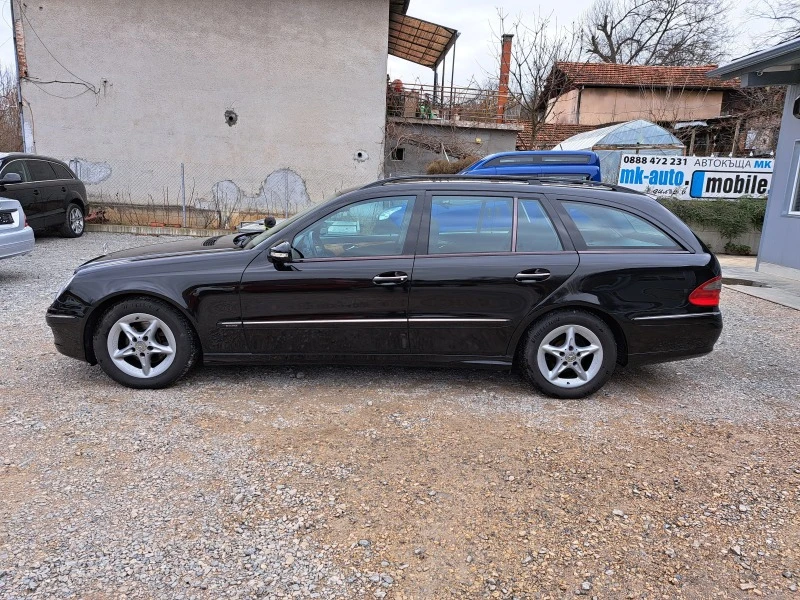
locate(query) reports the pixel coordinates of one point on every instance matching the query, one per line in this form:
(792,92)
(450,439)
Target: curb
(145,230)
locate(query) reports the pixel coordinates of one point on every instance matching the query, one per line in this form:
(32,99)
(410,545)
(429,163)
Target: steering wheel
(319,249)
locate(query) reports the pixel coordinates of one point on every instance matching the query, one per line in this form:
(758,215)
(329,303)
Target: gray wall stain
(90,172)
(283,192)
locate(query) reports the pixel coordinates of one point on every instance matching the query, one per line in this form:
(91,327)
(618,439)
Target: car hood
(217,244)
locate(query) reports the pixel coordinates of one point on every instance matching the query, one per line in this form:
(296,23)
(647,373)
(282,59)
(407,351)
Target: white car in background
(16,236)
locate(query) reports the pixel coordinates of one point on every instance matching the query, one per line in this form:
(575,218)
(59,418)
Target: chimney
(505,67)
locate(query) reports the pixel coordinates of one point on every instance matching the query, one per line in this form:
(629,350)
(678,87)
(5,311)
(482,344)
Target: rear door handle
(63,189)
(35,192)
(390,279)
(538,275)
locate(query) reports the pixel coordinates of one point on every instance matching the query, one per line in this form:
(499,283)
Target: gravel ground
(676,480)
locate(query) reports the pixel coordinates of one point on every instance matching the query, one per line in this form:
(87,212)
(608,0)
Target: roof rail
(520,179)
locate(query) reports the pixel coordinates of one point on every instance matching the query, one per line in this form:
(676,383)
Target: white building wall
(148,84)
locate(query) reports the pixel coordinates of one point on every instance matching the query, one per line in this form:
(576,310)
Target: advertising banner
(693,177)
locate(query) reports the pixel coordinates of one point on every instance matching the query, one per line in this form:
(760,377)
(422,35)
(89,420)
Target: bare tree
(784,17)
(10,133)
(538,44)
(656,32)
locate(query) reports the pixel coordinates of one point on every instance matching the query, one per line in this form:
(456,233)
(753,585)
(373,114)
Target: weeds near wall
(731,218)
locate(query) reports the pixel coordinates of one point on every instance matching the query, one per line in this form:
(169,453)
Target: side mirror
(281,252)
(11,178)
(269,222)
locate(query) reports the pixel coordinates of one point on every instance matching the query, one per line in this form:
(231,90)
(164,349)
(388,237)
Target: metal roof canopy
(419,41)
(779,65)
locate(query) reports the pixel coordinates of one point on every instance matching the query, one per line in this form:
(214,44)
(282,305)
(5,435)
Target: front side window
(40,170)
(376,227)
(15,166)
(535,231)
(604,227)
(465,224)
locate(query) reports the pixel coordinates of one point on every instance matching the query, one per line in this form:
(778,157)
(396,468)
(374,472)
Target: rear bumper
(16,243)
(670,339)
(67,334)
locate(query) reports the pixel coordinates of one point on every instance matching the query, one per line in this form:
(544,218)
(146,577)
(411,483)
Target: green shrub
(740,249)
(731,218)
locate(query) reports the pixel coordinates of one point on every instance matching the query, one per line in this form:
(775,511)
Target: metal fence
(192,194)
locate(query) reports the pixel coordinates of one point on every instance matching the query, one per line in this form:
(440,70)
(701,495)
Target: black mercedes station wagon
(564,279)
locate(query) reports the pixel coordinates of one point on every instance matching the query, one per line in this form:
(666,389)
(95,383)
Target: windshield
(257,239)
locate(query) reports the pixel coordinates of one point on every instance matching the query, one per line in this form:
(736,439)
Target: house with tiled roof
(599,93)
(709,116)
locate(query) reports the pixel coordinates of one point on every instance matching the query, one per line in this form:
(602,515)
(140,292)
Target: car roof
(9,155)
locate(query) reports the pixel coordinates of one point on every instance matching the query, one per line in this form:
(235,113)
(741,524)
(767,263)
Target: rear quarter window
(61,171)
(603,227)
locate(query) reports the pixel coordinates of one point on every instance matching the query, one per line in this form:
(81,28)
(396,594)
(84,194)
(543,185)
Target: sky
(476,56)
(6,43)
(474,19)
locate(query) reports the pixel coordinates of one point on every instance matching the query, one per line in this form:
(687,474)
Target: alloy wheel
(141,345)
(76,220)
(570,356)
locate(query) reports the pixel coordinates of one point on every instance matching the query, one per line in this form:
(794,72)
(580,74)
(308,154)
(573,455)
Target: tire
(564,370)
(154,345)
(74,222)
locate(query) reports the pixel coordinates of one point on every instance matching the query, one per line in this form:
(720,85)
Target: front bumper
(16,243)
(67,334)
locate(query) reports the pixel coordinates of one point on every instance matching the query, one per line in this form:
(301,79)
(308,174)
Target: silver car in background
(16,237)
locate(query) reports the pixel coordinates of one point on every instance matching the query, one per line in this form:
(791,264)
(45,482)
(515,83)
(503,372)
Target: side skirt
(475,362)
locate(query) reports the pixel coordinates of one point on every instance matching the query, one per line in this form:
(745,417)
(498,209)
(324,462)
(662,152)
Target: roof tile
(607,74)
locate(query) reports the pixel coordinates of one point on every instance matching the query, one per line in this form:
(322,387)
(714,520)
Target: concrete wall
(150,82)
(599,106)
(782,230)
(462,135)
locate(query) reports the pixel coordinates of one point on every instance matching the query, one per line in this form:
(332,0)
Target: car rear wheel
(144,343)
(569,354)
(74,223)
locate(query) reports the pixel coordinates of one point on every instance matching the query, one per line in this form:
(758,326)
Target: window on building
(794,191)
(399,154)
(464,224)
(604,227)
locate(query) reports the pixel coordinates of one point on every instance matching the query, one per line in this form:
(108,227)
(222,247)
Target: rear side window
(535,231)
(464,224)
(40,170)
(605,227)
(61,171)
(14,166)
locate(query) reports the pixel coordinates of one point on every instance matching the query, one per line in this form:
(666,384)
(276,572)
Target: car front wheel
(144,343)
(569,354)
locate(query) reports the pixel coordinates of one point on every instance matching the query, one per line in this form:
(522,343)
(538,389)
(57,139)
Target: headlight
(65,286)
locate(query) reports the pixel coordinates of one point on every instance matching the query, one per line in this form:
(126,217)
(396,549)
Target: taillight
(707,294)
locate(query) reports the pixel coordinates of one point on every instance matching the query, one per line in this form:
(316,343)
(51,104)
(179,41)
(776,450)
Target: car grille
(6,218)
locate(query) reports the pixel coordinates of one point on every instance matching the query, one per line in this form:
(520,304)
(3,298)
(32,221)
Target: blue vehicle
(558,164)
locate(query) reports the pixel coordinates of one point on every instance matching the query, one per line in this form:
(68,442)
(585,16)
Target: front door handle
(397,278)
(35,192)
(63,189)
(537,275)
